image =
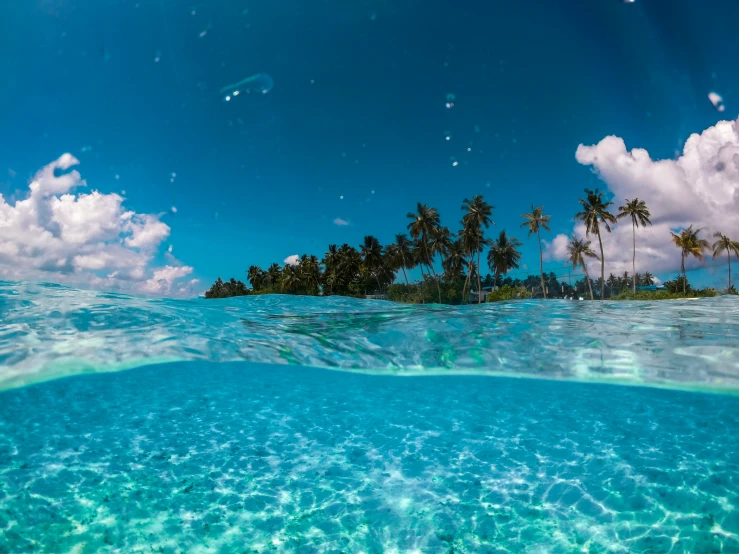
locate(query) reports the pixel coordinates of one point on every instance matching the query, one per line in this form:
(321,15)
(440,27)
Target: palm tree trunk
(466,283)
(728,257)
(404,275)
(431,267)
(633,259)
(541,266)
(479,284)
(602,269)
(587,277)
(682,265)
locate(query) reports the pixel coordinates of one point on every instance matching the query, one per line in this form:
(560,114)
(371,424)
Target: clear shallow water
(196,457)
(187,453)
(49,331)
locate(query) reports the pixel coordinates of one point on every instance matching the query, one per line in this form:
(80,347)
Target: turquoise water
(188,453)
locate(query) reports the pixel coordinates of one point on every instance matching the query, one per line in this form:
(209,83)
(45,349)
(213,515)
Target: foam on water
(48,331)
(220,458)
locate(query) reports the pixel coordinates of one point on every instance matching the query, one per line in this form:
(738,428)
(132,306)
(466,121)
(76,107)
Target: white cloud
(341,222)
(292,260)
(163,280)
(700,188)
(85,239)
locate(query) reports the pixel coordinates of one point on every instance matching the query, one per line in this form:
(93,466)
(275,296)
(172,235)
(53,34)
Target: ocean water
(334,425)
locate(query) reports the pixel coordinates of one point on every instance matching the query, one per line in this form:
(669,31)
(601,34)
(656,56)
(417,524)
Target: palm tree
(648,278)
(577,251)
(690,244)
(625,278)
(273,274)
(349,261)
(330,261)
(469,238)
(454,262)
(639,213)
(423,224)
(724,243)
(255,276)
(535,222)
(503,256)
(401,254)
(595,211)
(372,257)
(440,243)
(310,272)
(479,214)
(290,279)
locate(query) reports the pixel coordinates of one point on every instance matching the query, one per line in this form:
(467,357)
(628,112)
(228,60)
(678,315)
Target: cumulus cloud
(163,281)
(341,222)
(700,188)
(85,239)
(292,260)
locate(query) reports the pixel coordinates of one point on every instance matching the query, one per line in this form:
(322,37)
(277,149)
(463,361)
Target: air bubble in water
(717,101)
(261,83)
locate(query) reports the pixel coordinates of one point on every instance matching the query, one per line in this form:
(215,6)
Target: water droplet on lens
(256,84)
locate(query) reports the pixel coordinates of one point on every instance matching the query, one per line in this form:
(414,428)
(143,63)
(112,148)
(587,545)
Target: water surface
(227,433)
(48,331)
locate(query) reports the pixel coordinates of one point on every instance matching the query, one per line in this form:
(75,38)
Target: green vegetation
(690,244)
(725,244)
(594,213)
(639,214)
(507,292)
(535,222)
(577,251)
(372,270)
(227,289)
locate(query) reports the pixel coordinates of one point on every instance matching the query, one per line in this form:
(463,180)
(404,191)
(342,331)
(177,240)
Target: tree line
(374,268)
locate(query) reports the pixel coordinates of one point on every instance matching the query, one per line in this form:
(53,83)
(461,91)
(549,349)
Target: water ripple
(49,331)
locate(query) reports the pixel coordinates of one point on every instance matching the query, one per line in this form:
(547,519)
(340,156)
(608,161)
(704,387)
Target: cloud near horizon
(699,188)
(84,239)
(292,260)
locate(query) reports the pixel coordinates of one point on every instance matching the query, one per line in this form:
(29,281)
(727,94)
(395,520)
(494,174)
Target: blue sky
(358,105)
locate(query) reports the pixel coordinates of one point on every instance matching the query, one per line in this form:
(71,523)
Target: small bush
(664,294)
(508,293)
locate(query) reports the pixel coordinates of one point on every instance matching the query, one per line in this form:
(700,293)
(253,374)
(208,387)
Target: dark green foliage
(664,294)
(427,292)
(678,285)
(227,289)
(507,292)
